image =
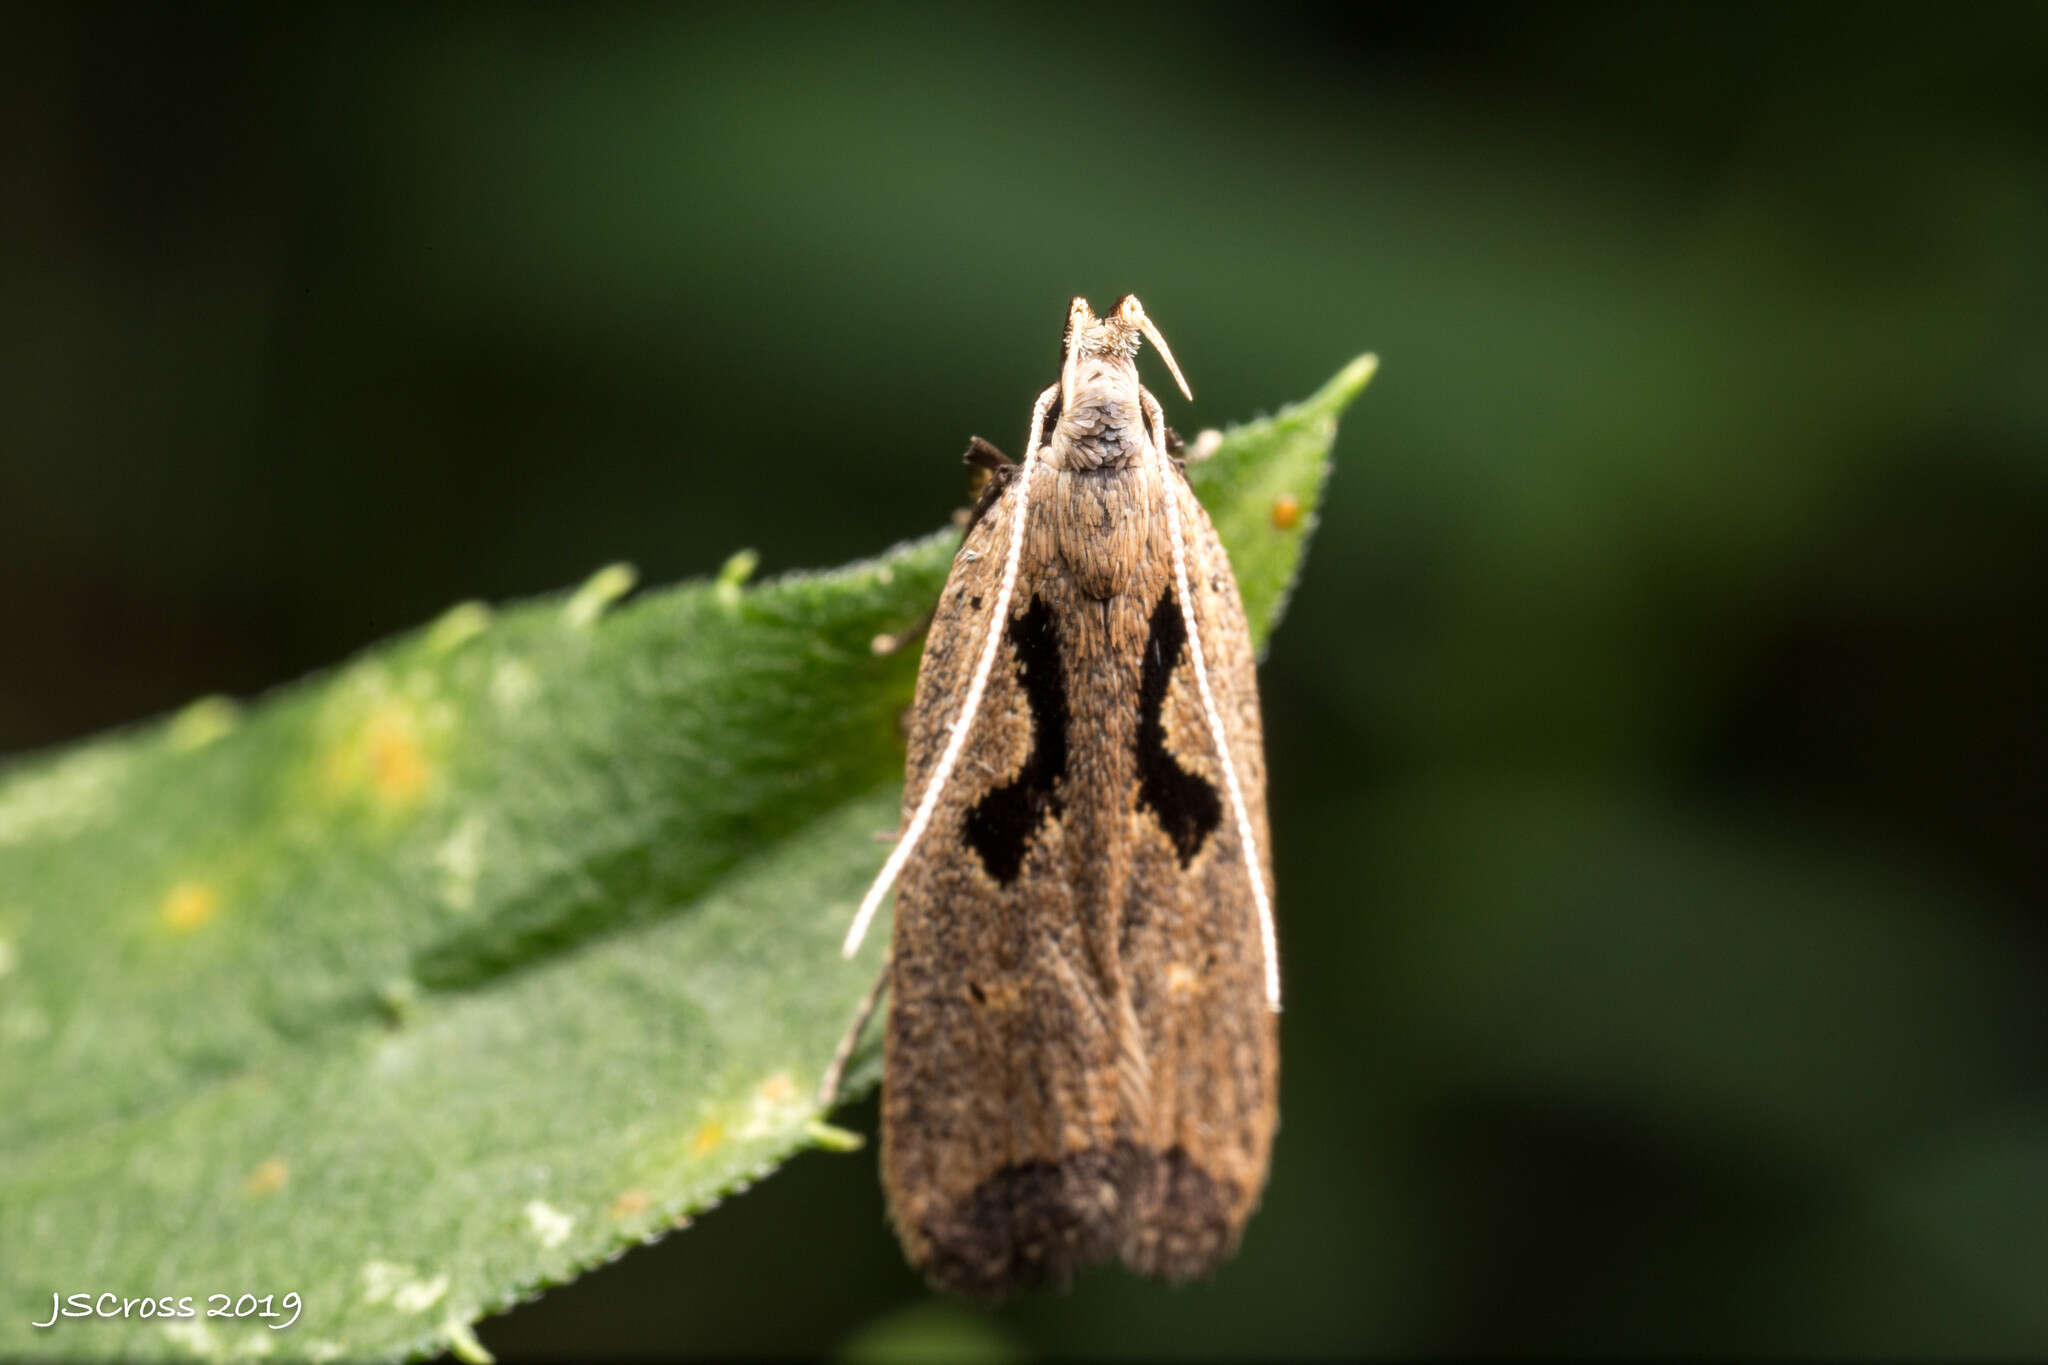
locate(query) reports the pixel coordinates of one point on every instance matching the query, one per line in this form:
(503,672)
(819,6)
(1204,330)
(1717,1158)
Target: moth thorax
(1102,421)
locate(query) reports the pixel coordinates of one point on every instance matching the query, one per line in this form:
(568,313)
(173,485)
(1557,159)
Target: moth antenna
(1134,314)
(957,740)
(1247,840)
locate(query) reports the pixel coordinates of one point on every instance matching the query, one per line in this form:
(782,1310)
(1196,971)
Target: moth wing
(994,1065)
(1190,943)
(1081,1062)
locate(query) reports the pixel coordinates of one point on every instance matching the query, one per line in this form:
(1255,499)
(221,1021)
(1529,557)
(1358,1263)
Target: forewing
(1081,1062)
(994,1053)
(1191,942)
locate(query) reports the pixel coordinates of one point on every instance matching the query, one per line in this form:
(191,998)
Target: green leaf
(448,974)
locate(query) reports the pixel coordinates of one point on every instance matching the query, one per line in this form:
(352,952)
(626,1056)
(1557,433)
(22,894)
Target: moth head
(1119,334)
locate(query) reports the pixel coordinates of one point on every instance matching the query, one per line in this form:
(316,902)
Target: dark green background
(1656,738)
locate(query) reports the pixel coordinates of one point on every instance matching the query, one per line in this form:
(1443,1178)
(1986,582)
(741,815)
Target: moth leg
(1206,443)
(828,1084)
(993,471)
(984,455)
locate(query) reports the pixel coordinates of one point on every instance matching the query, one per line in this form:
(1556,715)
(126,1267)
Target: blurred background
(1656,736)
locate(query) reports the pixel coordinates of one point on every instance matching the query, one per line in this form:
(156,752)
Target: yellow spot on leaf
(1286,512)
(629,1204)
(398,769)
(778,1089)
(381,739)
(707,1138)
(188,905)
(269,1176)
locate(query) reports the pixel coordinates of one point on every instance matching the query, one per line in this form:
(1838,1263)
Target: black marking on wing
(1001,824)
(1032,1224)
(1188,808)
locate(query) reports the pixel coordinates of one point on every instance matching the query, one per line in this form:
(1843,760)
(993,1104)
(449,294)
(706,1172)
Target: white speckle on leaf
(885,575)
(776,1105)
(398,1285)
(192,1334)
(513,685)
(257,1345)
(418,1296)
(460,860)
(381,1279)
(324,1350)
(398,1052)
(72,795)
(550,1225)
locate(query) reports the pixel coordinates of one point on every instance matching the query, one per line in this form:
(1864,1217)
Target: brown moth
(1082,1053)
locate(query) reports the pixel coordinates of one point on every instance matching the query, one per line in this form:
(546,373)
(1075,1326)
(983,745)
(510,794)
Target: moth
(1081,1056)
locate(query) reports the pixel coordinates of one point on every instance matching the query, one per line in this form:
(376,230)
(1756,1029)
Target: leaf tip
(733,576)
(1346,384)
(463,1345)
(599,591)
(202,722)
(827,1137)
(456,626)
